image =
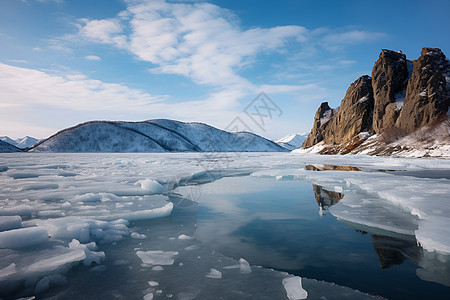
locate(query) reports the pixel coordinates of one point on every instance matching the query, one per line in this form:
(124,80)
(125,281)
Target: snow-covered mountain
(21,143)
(292,141)
(7,147)
(153,136)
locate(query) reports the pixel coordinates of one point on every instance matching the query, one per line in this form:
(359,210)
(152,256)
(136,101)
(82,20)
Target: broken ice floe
(68,202)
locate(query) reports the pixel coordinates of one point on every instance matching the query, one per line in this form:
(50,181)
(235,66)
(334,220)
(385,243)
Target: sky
(259,66)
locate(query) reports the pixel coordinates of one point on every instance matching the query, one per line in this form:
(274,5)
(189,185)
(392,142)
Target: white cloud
(339,38)
(106,31)
(199,40)
(93,57)
(55,100)
(23,87)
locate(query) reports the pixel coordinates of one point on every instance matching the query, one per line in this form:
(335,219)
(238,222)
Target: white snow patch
(294,289)
(151,186)
(185,237)
(244,266)
(326,116)
(363,99)
(148,296)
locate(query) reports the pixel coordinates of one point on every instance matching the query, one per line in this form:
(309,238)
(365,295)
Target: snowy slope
(428,141)
(292,141)
(153,136)
(21,143)
(6,147)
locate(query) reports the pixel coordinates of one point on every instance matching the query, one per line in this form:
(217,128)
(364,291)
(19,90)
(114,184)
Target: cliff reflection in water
(390,250)
(326,167)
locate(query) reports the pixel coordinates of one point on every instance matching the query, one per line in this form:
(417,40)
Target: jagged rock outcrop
(427,97)
(353,116)
(389,78)
(321,118)
(397,100)
(355,113)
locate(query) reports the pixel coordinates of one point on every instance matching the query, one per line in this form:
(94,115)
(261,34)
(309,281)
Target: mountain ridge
(159,135)
(21,143)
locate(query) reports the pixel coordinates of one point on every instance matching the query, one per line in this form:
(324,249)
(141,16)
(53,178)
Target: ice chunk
(294,289)
(192,248)
(148,296)
(244,266)
(90,252)
(23,237)
(93,197)
(184,237)
(10,222)
(21,210)
(84,230)
(213,273)
(153,283)
(151,186)
(164,211)
(53,263)
(157,257)
(138,236)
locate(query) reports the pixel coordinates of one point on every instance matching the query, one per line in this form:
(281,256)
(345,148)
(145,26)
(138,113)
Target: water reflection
(394,251)
(275,224)
(390,250)
(324,197)
(326,167)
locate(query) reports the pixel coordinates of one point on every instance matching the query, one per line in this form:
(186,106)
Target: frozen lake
(223,225)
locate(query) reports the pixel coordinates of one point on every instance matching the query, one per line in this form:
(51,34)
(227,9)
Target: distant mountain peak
(292,141)
(20,143)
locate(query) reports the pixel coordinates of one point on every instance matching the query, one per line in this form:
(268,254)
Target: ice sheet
(94,198)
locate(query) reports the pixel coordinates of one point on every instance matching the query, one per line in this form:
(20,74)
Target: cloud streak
(198,40)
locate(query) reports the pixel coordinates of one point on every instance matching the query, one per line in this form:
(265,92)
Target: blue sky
(63,62)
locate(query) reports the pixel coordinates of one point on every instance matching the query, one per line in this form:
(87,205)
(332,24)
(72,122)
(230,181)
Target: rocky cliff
(389,79)
(400,98)
(427,98)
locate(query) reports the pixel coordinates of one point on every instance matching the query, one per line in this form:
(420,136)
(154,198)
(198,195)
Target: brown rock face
(355,113)
(389,77)
(371,104)
(321,119)
(354,116)
(427,97)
